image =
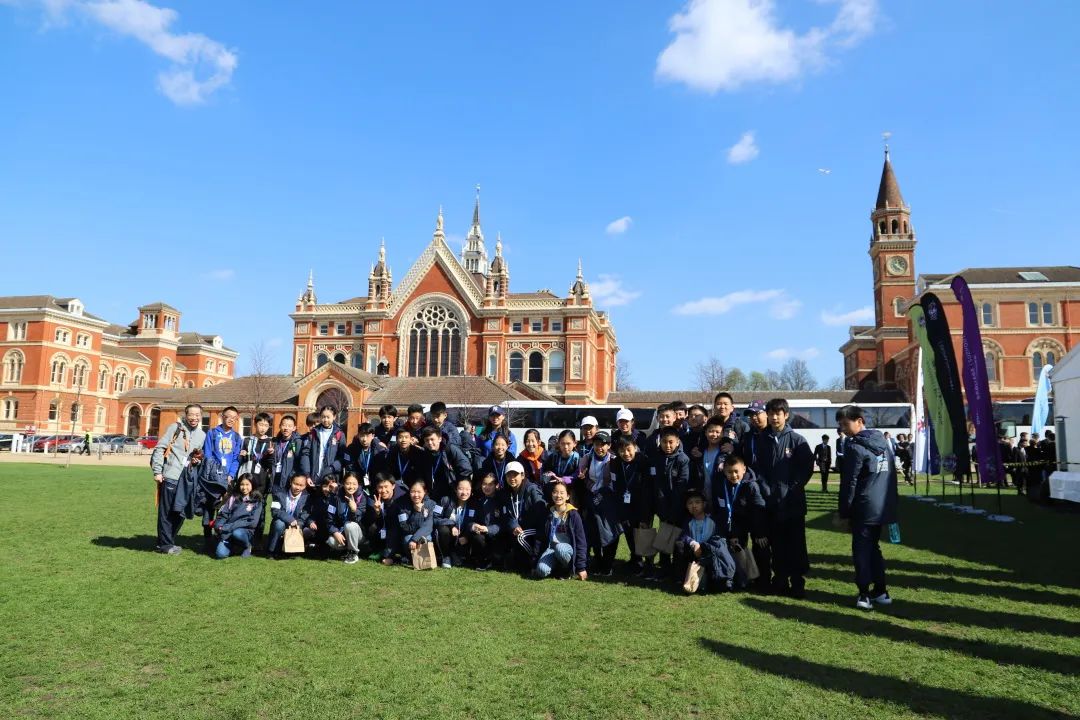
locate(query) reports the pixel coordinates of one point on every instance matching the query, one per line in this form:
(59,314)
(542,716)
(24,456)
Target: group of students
(721,483)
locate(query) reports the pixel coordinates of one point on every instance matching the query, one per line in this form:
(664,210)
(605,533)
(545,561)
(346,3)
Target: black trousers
(604,556)
(449,547)
(869,563)
(484,550)
(787,544)
(824,478)
(168,522)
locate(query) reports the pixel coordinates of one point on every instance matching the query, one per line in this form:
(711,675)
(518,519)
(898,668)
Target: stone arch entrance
(134,421)
(340,400)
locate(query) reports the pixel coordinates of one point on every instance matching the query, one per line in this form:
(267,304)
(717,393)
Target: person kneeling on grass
(289,508)
(237,519)
(351,503)
(450,525)
(323,521)
(702,542)
(867,501)
(563,548)
(416,521)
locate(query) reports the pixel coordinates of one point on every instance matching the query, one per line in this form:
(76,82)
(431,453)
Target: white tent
(1065,379)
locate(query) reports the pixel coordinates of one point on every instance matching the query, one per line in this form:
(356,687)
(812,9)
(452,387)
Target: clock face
(898,265)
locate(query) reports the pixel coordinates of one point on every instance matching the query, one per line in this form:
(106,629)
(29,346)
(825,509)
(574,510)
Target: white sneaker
(882,599)
(864,603)
(351,559)
(446,565)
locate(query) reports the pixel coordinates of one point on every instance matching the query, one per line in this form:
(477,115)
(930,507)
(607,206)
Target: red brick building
(68,371)
(1029,316)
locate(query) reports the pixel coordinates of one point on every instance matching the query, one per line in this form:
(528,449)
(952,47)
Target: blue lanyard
(499,472)
(435,468)
(365,457)
(460,516)
(564,468)
(730,498)
(402,470)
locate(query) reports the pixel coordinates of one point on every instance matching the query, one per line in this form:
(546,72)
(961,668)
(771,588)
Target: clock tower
(892,253)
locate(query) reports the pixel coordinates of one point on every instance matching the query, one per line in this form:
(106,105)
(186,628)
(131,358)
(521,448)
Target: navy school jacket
(286,460)
(638,437)
(496,468)
(740,510)
(868,494)
(448,514)
(187,489)
(601,506)
(343,513)
(524,508)
(384,523)
(715,478)
(443,469)
(565,469)
(784,463)
(279,508)
(416,525)
(238,514)
(652,446)
(404,466)
(323,512)
(384,435)
(734,430)
(573,526)
(334,460)
(365,462)
(486,511)
(715,556)
(634,477)
(672,475)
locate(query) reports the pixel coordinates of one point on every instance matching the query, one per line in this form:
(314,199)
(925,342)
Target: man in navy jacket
(867,501)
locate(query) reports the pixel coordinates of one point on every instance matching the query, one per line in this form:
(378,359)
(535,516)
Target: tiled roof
(888,195)
(42,302)
(1005,275)
(465,390)
(123,352)
(158,306)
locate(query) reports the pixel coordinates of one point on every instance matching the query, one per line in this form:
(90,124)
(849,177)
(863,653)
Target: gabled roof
(40,302)
(1009,275)
(123,352)
(464,390)
(361,378)
(243,391)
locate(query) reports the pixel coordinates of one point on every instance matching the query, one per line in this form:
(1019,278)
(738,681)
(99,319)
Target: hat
(514,467)
(496,410)
(756,407)
(588,420)
(624,414)
(601,437)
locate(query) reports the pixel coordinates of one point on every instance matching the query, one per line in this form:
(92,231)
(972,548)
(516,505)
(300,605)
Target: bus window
(808,418)
(887,417)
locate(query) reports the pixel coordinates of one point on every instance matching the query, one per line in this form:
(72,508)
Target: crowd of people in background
(719,492)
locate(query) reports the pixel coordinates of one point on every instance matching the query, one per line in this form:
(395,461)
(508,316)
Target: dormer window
(216,342)
(75,307)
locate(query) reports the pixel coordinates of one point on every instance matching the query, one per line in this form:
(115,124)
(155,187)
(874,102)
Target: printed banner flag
(941,423)
(1042,401)
(922,432)
(977,385)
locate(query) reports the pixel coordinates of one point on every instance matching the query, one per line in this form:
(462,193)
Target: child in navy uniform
(562,465)
(351,503)
(522,514)
(624,421)
(380,516)
(286,454)
(634,491)
(386,430)
(416,521)
(404,460)
(561,546)
(367,457)
(441,465)
(325,450)
(702,542)
(707,465)
(671,474)
(601,505)
(289,508)
(237,518)
(483,522)
(665,418)
(739,511)
(495,462)
(450,525)
(322,518)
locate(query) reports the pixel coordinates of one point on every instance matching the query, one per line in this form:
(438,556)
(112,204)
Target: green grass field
(986,624)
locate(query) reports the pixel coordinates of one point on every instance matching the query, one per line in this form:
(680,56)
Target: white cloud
(608,291)
(223,274)
(785,353)
(201,66)
(618,227)
(725,44)
(781,305)
(852,317)
(743,151)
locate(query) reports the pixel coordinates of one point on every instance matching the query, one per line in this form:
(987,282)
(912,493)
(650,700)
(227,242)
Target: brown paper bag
(747,565)
(643,541)
(694,573)
(423,557)
(666,537)
(293,542)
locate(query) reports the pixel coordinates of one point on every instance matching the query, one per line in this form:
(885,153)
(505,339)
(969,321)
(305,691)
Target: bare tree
(711,375)
(795,375)
(259,382)
(624,380)
(762,381)
(835,385)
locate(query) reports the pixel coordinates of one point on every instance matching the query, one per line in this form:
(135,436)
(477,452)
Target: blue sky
(208,154)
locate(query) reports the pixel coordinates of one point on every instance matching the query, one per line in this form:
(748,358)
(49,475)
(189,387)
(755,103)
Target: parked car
(123,443)
(45,443)
(5,442)
(75,444)
(149,442)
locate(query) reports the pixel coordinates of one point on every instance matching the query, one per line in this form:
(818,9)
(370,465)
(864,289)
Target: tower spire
(476,209)
(308,298)
(474,255)
(439,234)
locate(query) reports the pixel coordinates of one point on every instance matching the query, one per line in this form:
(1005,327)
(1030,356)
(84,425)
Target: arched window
(1047,314)
(164,370)
(189,384)
(11,409)
(517,367)
(987,314)
(881,227)
(120,380)
(358,361)
(140,379)
(321,360)
(556,363)
(58,370)
(1050,357)
(898,306)
(13,366)
(1033,313)
(54,411)
(99,416)
(1036,364)
(435,343)
(991,366)
(103,378)
(80,372)
(208,383)
(895,227)
(340,358)
(536,367)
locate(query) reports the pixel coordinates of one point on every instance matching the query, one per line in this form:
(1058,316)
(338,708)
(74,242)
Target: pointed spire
(498,244)
(476,209)
(580,287)
(439,235)
(382,251)
(889,196)
(308,298)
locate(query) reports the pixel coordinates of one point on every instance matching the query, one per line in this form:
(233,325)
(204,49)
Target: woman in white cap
(496,425)
(589,426)
(624,421)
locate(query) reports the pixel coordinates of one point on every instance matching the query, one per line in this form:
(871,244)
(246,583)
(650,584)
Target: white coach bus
(548,417)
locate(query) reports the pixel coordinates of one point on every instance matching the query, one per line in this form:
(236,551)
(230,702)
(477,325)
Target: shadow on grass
(871,626)
(817,559)
(928,612)
(901,579)
(921,699)
(145,543)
